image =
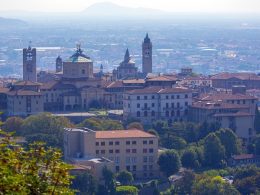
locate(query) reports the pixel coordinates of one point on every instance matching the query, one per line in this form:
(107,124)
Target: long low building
(132,150)
(235,111)
(156,103)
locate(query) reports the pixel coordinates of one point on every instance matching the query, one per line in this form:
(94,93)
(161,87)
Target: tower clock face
(29,57)
(147,53)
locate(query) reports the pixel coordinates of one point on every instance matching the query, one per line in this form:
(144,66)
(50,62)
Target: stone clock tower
(147,65)
(29,64)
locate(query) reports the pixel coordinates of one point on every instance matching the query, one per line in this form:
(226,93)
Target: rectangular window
(144,150)
(117,143)
(178,96)
(103,143)
(133,150)
(127,150)
(111,151)
(134,167)
(103,151)
(150,141)
(127,142)
(145,97)
(145,159)
(128,168)
(186,95)
(117,151)
(97,143)
(97,151)
(117,169)
(111,143)
(145,142)
(138,97)
(167,97)
(145,167)
(151,150)
(134,142)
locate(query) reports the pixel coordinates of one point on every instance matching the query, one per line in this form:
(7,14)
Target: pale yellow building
(132,150)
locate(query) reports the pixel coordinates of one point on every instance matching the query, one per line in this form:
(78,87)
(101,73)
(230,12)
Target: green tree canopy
(125,177)
(214,151)
(230,141)
(190,159)
(169,162)
(205,185)
(173,142)
(135,125)
(109,181)
(13,124)
(126,190)
(84,183)
(101,124)
(46,127)
(35,170)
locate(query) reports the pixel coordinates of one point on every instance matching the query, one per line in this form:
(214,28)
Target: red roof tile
(132,133)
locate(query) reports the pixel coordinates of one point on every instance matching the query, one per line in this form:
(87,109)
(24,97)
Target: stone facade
(147,55)
(132,150)
(155,103)
(29,64)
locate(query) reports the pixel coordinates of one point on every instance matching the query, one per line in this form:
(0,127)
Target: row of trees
(213,151)
(86,184)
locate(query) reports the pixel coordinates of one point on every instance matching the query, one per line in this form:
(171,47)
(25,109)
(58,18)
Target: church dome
(78,56)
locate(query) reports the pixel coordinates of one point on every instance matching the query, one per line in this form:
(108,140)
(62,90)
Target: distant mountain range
(112,10)
(11,22)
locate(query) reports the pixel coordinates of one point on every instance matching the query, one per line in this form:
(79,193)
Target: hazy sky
(251,6)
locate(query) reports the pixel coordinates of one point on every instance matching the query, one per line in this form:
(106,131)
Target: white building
(155,103)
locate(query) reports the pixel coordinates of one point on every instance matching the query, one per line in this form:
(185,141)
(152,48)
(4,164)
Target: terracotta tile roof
(241,76)
(23,92)
(4,90)
(132,133)
(175,90)
(56,85)
(26,83)
(159,90)
(233,114)
(225,96)
(115,84)
(162,78)
(217,105)
(134,81)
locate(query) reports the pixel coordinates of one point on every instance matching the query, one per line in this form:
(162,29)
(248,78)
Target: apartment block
(155,103)
(132,150)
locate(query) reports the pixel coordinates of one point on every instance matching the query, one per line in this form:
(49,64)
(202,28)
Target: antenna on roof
(30,43)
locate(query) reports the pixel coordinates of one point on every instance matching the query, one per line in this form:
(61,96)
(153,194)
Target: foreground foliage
(35,170)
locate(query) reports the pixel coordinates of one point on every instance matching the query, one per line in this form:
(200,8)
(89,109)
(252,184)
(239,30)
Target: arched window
(145,113)
(138,114)
(178,113)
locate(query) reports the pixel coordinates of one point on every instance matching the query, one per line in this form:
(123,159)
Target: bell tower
(147,63)
(29,64)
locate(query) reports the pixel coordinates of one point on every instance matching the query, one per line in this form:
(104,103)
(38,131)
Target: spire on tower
(127,55)
(29,45)
(147,39)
